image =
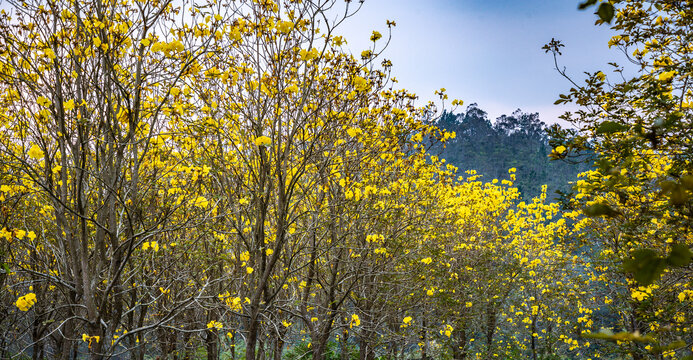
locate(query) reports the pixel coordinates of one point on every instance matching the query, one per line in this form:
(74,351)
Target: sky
(486,51)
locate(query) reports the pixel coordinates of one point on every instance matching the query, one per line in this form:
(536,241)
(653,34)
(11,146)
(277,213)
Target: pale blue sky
(486,51)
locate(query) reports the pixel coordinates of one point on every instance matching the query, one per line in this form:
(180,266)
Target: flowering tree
(638,197)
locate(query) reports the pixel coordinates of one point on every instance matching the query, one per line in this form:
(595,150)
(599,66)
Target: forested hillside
(517,141)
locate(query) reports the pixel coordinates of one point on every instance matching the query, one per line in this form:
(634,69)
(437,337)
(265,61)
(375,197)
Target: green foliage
(600,209)
(605,9)
(610,127)
(645,266)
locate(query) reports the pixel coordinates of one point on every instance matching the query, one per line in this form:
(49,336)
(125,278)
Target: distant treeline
(516,141)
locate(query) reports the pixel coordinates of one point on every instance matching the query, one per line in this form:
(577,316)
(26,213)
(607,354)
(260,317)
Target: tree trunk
(212,345)
(490,328)
(534,338)
(458,351)
(345,355)
(251,338)
(278,348)
(422,338)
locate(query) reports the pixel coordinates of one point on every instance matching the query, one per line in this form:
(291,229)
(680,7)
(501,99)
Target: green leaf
(678,195)
(600,210)
(676,191)
(680,255)
(586,4)
(606,334)
(610,127)
(672,346)
(645,265)
(606,11)
(667,185)
(604,165)
(687,182)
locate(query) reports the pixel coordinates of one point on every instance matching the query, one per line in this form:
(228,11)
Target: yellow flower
(338,41)
(69,105)
(201,202)
(150,245)
(376,35)
(360,84)
(667,75)
(43,101)
(285,27)
(249,270)
(49,53)
(233,303)
(245,256)
(355,321)
(427,260)
(87,338)
(24,303)
(35,152)
(353,132)
(292,89)
(447,331)
(214,325)
(560,149)
(213,72)
(406,321)
(263,141)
